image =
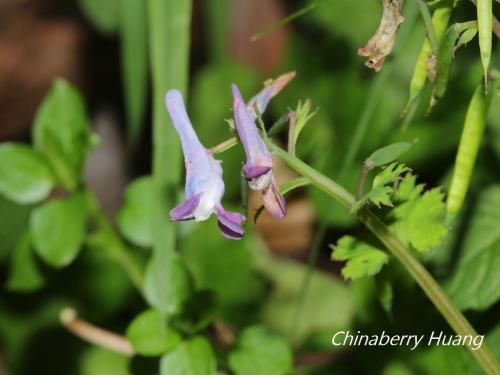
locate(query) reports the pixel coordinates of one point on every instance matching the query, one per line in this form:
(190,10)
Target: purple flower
(258,169)
(204,185)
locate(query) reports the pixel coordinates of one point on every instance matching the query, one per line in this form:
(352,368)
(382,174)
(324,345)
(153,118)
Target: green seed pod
(472,133)
(485,28)
(445,55)
(440,19)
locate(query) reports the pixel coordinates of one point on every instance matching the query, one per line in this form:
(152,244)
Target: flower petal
(274,201)
(262,99)
(230,223)
(184,211)
(253,171)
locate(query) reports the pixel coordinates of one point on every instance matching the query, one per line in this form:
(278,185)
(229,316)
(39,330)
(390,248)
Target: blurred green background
(103,50)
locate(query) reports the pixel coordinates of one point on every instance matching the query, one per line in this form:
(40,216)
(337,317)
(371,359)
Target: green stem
(431,288)
(361,180)
(169,32)
(115,248)
(431,33)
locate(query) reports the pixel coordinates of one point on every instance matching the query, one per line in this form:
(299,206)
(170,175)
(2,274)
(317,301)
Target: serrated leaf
(302,115)
(24,274)
(475,283)
(58,229)
(61,132)
(421,222)
(362,258)
(408,189)
(382,187)
(150,335)
(25,176)
(388,154)
(135,216)
(192,357)
(260,352)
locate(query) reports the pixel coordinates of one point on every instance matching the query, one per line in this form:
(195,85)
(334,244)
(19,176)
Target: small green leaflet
(135,216)
(25,176)
(383,187)
(24,275)
(260,352)
(299,118)
(387,154)
(58,228)
(420,220)
(193,357)
(362,259)
(150,335)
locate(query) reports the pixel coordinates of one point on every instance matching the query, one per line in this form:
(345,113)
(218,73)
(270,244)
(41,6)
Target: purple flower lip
(204,185)
(258,167)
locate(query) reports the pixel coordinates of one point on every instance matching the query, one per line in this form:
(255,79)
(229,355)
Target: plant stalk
(431,288)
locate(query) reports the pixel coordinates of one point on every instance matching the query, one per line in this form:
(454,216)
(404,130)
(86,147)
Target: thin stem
(224,146)
(284,21)
(364,121)
(361,180)
(431,33)
(430,287)
(115,248)
(95,335)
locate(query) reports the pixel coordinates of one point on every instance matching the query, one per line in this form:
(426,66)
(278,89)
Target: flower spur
(204,185)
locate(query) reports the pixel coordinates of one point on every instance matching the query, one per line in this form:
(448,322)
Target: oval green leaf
(388,154)
(25,176)
(58,229)
(193,357)
(150,335)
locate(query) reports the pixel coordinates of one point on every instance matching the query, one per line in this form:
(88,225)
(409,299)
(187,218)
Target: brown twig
(223,333)
(95,335)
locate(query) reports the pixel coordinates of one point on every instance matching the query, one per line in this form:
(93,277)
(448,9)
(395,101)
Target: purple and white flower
(204,185)
(258,169)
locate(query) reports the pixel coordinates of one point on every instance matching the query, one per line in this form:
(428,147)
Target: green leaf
(104,15)
(197,313)
(99,361)
(475,283)
(260,352)
(58,229)
(24,274)
(383,187)
(421,222)
(193,357)
(167,283)
(302,116)
(150,335)
(325,294)
(228,274)
(362,258)
(61,131)
(388,154)
(135,217)
(14,221)
(134,53)
(25,176)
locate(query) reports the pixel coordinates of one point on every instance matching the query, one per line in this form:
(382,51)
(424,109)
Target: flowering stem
(431,288)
